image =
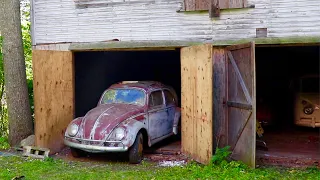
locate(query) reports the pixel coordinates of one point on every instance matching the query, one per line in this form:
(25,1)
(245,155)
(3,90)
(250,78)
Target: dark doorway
(96,71)
(276,70)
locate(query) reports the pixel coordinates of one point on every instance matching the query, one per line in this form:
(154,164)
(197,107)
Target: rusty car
(306,101)
(129,116)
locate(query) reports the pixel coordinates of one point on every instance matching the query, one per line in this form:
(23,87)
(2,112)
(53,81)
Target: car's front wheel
(77,153)
(136,150)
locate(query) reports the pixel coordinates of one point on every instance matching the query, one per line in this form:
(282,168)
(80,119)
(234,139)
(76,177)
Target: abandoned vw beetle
(307,100)
(129,116)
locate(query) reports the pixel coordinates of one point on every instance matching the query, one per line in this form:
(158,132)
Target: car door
(170,108)
(157,115)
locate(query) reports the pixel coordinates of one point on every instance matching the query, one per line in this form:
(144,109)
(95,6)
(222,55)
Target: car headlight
(117,134)
(72,129)
(308,110)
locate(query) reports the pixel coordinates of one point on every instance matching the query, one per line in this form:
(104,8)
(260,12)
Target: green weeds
(58,169)
(4,143)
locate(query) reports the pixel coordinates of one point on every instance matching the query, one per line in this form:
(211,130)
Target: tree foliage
(26,36)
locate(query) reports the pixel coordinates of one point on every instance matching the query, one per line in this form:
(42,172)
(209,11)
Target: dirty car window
(126,96)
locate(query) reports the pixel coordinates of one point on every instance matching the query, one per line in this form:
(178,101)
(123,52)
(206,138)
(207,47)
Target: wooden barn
(225,58)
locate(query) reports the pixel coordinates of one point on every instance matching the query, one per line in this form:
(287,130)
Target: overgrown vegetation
(59,169)
(4,143)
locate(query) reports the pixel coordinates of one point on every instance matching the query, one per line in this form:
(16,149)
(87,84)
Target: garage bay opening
(287,81)
(95,71)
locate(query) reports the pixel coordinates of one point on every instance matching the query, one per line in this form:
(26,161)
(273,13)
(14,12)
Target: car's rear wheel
(77,153)
(136,150)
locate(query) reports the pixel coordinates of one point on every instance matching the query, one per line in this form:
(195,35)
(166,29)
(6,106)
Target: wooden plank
(204,104)
(239,46)
(219,85)
(190,5)
(53,96)
(239,105)
(214,8)
(199,5)
(197,102)
(235,3)
(235,67)
(243,145)
(202,5)
(224,4)
(187,114)
(131,45)
(230,4)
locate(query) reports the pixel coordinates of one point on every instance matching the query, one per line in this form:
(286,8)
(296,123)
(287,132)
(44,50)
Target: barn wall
(57,21)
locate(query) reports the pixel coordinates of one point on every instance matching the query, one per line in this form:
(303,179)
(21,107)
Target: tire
(77,153)
(136,150)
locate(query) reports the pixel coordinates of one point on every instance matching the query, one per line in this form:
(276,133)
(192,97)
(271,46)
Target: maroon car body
(124,111)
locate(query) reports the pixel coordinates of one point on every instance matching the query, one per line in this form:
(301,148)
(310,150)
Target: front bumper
(308,122)
(96,148)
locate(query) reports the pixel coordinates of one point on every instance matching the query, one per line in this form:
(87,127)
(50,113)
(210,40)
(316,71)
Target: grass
(4,143)
(219,168)
(58,169)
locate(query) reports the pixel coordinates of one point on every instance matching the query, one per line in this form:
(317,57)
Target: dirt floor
(165,151)
(294,147)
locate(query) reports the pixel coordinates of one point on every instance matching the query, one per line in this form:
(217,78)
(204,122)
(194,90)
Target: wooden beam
(132,45)
(169,45)
(239,105)
(214,8)
(241,81)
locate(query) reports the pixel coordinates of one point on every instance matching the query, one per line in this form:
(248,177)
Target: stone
(29,141)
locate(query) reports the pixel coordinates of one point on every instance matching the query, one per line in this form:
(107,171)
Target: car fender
(132,127)
(177,116)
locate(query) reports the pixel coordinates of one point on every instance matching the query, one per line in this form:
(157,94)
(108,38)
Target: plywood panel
(197,102)
(53,96)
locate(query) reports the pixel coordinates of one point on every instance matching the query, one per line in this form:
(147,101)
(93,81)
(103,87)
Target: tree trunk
(20,120)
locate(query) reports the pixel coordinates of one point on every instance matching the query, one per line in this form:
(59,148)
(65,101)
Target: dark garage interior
(276,70)
(96,71)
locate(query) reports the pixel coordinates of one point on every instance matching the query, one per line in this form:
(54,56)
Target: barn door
(196,100)
(241,102)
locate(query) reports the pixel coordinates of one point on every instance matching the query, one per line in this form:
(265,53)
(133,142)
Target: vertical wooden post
(214,9)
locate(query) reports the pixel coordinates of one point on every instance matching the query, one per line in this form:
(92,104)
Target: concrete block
(35,152)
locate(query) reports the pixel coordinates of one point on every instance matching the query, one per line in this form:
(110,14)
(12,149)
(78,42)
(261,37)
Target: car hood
(100,121)
(313,98)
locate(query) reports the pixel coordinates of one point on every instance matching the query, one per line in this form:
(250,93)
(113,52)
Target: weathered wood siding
(57,21)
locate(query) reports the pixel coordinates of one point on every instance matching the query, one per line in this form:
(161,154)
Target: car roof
(146,85)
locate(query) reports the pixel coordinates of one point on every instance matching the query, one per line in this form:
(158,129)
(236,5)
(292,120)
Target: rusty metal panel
(197,102)
(58,21)
(241,102)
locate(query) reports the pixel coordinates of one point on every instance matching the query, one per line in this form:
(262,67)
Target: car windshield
(310,85)
(124,96)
